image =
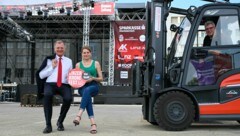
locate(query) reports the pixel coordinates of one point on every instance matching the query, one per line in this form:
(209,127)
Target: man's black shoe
(47,130)
(60,126)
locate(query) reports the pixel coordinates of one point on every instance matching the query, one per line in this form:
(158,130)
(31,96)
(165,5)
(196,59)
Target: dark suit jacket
(40,82)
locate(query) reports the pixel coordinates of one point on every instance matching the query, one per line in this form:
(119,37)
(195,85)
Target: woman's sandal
(93,131)
(77,122)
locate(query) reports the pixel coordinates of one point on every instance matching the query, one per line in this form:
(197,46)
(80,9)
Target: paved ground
(112,120)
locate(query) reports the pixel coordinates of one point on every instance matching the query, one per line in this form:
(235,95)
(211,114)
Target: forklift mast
(157,13)
(152,70)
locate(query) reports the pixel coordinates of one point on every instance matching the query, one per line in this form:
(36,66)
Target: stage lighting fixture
(28,39)
(92,3)
(29,13)
(50,8)
(40,12)
(22,15)
(75,7)
(61,10)
(5,15)
(45,13)
(68,10)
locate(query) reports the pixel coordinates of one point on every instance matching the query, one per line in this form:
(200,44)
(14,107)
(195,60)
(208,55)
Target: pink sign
(103,8)
(75,78)
(100,8)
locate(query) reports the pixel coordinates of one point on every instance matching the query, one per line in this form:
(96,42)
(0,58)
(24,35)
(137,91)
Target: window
(8,72)
(207,64)
(228,29)
(21,59)
(19,72)
(10,45)
(174,20)
(2,61)
(181,18)
(22,45)
(47,45)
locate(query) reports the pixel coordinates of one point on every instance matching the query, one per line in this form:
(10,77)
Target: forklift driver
(210,30)
(203,60)
(209,64)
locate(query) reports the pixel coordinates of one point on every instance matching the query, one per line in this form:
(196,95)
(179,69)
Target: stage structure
(9,28)
(64,20)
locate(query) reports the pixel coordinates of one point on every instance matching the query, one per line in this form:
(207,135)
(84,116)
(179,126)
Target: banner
(129,47)
(103,8)
(100,8)
(17,8)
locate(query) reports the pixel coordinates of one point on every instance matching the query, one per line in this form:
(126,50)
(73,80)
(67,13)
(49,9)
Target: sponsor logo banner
(129,47)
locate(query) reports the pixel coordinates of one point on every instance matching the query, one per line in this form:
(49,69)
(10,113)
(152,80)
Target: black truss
(10,28)
(64,26)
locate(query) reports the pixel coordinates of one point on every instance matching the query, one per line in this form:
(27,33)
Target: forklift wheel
(143,113)
(174,111)
(238,121)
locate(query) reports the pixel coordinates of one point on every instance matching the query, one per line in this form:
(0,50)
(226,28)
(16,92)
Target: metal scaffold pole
(86,25)
(86,7)
(111,56)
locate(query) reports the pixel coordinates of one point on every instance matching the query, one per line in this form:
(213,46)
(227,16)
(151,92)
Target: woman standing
(91,88)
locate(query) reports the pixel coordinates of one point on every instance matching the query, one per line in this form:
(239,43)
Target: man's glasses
(209,28)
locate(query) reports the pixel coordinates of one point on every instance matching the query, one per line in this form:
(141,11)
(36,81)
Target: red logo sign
(75,78)
(103,8)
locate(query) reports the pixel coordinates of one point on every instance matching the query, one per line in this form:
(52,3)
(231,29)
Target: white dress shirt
(52,73)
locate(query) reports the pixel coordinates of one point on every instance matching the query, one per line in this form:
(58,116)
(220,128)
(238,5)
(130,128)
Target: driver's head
(209,28)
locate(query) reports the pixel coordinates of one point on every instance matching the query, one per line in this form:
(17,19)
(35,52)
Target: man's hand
(54,63)
(214,52)
(221,71)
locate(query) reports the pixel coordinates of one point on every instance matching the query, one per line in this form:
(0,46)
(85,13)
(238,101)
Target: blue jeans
(88,91)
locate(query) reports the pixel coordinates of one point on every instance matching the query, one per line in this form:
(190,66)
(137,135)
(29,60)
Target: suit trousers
(51,89)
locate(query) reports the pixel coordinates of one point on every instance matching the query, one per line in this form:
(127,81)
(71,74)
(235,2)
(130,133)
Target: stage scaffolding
(46,30)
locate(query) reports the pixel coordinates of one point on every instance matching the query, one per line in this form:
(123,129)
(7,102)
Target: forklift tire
(143,111)
(174,111)
(238,121)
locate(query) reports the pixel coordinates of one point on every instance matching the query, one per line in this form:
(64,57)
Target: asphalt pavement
(112,120)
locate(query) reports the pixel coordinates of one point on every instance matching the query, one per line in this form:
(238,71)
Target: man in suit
(55,73)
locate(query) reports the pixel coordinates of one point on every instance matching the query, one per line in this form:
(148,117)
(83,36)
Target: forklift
(189,82)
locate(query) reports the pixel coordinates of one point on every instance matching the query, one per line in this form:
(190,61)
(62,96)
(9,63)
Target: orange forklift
(188,81)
